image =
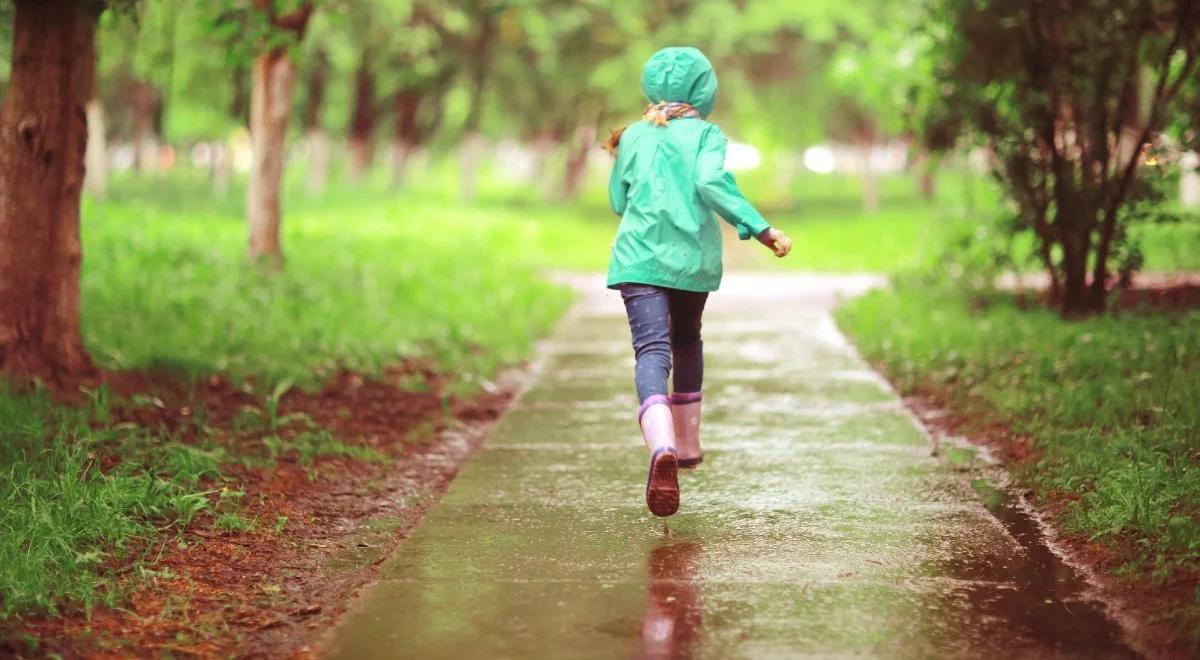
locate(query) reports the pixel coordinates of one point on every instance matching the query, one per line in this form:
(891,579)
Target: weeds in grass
(234,522)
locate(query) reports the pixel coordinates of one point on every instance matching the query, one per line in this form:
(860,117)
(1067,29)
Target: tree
(316,79)
(273,78)
(547,80)
(1071,98)
(43,138)
(422,68)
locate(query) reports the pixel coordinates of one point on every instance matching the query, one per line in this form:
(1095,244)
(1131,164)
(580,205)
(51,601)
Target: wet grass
(1112,405)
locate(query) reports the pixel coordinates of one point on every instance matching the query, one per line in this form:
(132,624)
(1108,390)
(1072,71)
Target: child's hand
(778,241)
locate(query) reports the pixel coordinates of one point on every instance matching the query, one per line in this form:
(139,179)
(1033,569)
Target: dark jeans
(665,322)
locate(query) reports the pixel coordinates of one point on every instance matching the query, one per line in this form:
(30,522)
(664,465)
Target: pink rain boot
(658,429)
(685,406)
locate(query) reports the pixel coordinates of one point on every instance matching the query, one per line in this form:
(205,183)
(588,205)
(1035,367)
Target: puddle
(1044,603)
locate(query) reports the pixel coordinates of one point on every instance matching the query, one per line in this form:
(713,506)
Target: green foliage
(1112,405)
(1069,98)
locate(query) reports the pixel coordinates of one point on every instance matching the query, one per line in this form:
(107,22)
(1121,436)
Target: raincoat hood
(681,74)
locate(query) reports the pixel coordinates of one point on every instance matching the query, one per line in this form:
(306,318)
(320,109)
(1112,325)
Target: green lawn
(1112,405)
(371,278)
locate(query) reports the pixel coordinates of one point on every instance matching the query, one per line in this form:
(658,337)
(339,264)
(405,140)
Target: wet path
(819,523)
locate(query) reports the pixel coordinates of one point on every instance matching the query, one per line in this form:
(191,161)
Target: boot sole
(662,484)
(689,463)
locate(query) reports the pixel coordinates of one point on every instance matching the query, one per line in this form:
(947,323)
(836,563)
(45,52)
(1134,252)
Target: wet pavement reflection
(674,617)
(819,525)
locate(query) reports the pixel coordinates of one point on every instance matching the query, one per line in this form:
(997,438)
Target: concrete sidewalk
(818,524)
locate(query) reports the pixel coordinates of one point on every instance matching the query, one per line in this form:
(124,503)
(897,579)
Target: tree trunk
(927,165)
(577,160)
(406,132)
(470,156)
(274,76)
(471,149)
(318,161)
(361,155)
(318,144)
(1076,300)
(870,183)
(401,155)
(43,140)
(362,119)
(96,159)
(239,101)
(144,104)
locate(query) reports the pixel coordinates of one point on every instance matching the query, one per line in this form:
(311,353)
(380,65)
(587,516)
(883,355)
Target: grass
(372,278)
(1112,405)
(65,521)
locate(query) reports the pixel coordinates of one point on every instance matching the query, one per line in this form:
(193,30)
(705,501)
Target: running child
(668,180)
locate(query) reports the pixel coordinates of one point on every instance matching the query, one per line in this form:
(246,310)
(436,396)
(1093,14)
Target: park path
(819,524)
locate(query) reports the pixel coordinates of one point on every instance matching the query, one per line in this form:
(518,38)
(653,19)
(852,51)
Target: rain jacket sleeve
(719,190)
(618,190)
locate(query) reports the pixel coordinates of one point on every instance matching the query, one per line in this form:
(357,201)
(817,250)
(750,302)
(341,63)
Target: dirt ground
(269,591)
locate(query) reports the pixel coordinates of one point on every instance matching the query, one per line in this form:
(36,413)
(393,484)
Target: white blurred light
(740,156)
(819,159)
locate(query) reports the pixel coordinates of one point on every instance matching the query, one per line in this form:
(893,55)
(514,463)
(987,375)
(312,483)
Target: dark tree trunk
(407,132)
(363,119)
(43,139)
(239,104)
(1075,249)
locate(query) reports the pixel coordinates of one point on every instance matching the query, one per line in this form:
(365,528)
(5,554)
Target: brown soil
(269,593)
(1161,618)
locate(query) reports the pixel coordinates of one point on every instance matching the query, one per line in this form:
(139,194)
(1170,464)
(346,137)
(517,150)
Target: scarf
(661,113)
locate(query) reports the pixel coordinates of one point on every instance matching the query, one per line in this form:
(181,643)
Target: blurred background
(861,129)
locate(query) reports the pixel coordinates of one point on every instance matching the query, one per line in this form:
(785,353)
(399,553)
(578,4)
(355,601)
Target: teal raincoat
(669,180)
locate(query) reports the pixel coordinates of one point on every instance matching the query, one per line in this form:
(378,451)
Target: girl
(668,179)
